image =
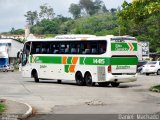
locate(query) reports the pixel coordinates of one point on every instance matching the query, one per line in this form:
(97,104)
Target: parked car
(3,68)
(6,68)
(140,66)
(152,67)
(10,68)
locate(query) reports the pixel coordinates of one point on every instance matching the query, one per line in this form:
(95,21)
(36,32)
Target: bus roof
(83,37)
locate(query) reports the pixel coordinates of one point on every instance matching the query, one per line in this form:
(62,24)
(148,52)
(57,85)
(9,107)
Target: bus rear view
(123,61)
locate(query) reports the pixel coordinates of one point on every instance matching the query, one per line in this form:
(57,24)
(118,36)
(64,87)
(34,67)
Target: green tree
(19,32)
(113,10)
(104,9)
(46,27)
(86,6)
(75,10)
(46,12)
(31,17)
(139,20)
(102,24)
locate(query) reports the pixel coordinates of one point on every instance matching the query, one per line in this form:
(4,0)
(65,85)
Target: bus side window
(75,47)
(45,48)
(102,47)
(55,48)
(94,47)
(66,50)
(94,50)
(64,47)
(37,50)
(73,51)
(86,48)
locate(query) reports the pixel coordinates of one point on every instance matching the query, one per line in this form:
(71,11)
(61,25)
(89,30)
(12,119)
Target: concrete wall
(15,47)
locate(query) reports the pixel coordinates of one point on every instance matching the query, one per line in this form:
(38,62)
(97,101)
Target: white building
(13,47)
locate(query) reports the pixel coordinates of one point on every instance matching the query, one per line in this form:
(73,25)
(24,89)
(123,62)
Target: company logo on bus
(124,46)
(122,67)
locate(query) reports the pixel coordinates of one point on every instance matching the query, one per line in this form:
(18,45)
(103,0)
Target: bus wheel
(36,79)
(103,84)
(88,79)
(59,81)
(79,79)
(147,74)
(114,84)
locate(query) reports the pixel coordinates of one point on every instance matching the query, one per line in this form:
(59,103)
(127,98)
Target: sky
(12,11)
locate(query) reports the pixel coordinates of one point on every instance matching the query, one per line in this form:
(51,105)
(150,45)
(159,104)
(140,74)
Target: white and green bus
(87,59)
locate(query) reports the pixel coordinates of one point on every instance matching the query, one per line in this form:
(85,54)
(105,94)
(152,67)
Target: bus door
(26,66)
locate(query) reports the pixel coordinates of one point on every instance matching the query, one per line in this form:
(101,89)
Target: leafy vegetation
(141,19)
(155,88)
(15,32)
(2,107)
(90,17)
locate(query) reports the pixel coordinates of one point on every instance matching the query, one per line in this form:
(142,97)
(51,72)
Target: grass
(2,107)
(155,88)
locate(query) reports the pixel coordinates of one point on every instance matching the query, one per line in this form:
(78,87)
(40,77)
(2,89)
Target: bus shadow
(74,84)
(53,82)
(129,86)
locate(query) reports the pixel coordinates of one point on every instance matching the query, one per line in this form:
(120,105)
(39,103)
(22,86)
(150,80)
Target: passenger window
(45,48)
(64,48)
(36,47)
(86,48)
(102,47)
(94,47)
(55,48)
(75,47)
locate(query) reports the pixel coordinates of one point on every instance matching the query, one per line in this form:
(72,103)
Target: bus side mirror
(19,57)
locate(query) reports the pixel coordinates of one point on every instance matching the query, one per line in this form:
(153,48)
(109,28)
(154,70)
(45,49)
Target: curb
(28,113)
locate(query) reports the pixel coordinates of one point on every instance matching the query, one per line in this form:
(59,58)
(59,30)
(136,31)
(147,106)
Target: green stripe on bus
(48,59)
(87,60)
(66,68)
(94,61)
(108,61)
(69,60)
(30,59)
(124,61)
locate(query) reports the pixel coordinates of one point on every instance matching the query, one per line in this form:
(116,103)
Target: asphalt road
(49,97)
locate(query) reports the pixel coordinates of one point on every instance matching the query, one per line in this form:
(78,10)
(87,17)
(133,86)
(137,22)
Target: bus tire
(59,81)
(147,74)
(114,84)
(79,79)
(88,79)
(103,84)
(36,79)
